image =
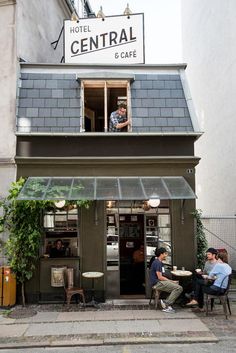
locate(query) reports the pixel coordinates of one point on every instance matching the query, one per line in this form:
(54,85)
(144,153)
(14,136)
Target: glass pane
(163,210)
(179,188)
(60,220)
(165,234)
(72,219)
(154,188)
(83,189)
(131,189)
(112,241)
(34,189)
(59,188)
(164,220)
(107,189)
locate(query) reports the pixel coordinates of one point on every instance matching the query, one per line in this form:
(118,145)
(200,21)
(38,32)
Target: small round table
(181,273)
(183,278)
(93,276)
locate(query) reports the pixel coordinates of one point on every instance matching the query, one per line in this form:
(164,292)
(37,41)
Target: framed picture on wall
(151,222)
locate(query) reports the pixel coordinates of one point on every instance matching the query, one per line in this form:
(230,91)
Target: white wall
(38,24)
(8,94)
(209,37)
(27,27)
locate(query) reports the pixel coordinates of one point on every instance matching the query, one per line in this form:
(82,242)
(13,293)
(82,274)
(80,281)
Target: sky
(162,22)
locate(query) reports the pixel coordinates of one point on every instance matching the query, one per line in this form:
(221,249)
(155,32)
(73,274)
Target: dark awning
(106,188)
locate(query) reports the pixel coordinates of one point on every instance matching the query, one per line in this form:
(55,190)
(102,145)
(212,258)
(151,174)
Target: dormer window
(101,98)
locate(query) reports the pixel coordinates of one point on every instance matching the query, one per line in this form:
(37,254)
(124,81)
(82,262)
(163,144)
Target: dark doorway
(132,258)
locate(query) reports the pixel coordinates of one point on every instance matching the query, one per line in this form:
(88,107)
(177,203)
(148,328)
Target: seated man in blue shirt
(118,119)
(162,283)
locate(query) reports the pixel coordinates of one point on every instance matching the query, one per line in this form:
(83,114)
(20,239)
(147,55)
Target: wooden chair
(224,299)
(71,291)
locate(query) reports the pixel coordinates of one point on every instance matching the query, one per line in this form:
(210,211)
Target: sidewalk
(114,323)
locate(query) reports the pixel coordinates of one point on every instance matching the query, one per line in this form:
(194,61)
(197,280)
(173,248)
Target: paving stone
(182,325)
(49,329)
(13,330)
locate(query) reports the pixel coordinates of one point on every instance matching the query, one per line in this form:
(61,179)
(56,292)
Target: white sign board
(114,40)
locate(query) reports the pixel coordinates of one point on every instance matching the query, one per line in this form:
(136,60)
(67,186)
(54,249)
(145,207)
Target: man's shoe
(192,302)
(169,310)
(163,304)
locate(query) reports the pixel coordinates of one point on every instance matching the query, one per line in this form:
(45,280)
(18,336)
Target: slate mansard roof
(51,102)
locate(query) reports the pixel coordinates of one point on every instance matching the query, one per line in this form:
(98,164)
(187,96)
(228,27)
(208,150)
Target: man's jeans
(173,288)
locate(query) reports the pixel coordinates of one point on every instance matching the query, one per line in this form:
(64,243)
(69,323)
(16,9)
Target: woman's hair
(223,256)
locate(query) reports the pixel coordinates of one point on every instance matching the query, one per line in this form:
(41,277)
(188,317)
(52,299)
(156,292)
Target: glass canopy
(106,188)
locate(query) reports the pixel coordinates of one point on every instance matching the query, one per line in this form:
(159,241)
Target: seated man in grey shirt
(211,255)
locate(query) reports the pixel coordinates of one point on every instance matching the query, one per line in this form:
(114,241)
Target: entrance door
(131,252)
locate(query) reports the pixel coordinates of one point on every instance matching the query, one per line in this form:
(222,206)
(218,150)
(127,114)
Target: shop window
(100,100)
(63,225)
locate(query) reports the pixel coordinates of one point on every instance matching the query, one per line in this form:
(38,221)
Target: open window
(100,98)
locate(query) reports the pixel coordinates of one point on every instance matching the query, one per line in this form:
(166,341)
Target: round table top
(181,273)
(92,274)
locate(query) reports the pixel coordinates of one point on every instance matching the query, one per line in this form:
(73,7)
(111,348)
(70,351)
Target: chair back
(68,278)
(229,278)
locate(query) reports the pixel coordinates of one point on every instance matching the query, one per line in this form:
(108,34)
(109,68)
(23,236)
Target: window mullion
(105,108)
(82,122)
(128,94)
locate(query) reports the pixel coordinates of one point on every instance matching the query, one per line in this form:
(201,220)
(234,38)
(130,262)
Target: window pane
(34,189)
(59,188)
(83,189)
(154,188)
(164,220)
(107,189)
(131,189)
(178,188)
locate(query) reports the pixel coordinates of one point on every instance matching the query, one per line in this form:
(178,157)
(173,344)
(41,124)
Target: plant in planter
(23,221)
(201,239)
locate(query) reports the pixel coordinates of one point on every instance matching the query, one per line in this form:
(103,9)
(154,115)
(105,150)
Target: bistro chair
(224,299)
(155,295)
(70,290)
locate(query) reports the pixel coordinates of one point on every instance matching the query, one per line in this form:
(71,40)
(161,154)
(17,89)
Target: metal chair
(224,299)
(70,290)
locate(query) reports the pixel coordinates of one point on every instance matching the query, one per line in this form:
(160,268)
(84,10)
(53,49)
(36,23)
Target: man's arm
(160,277)
(121,125)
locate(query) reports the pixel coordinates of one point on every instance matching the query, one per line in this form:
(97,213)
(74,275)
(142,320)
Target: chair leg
(68,298)
(157,296)
(212,303)
(83,298)
(207,305)
(228,306)
(151,297)
(223,302)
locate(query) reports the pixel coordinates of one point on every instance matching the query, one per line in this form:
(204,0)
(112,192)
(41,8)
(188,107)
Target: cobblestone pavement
(224,330)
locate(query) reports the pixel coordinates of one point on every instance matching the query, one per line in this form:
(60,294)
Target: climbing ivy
(22,219)
(201,239)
